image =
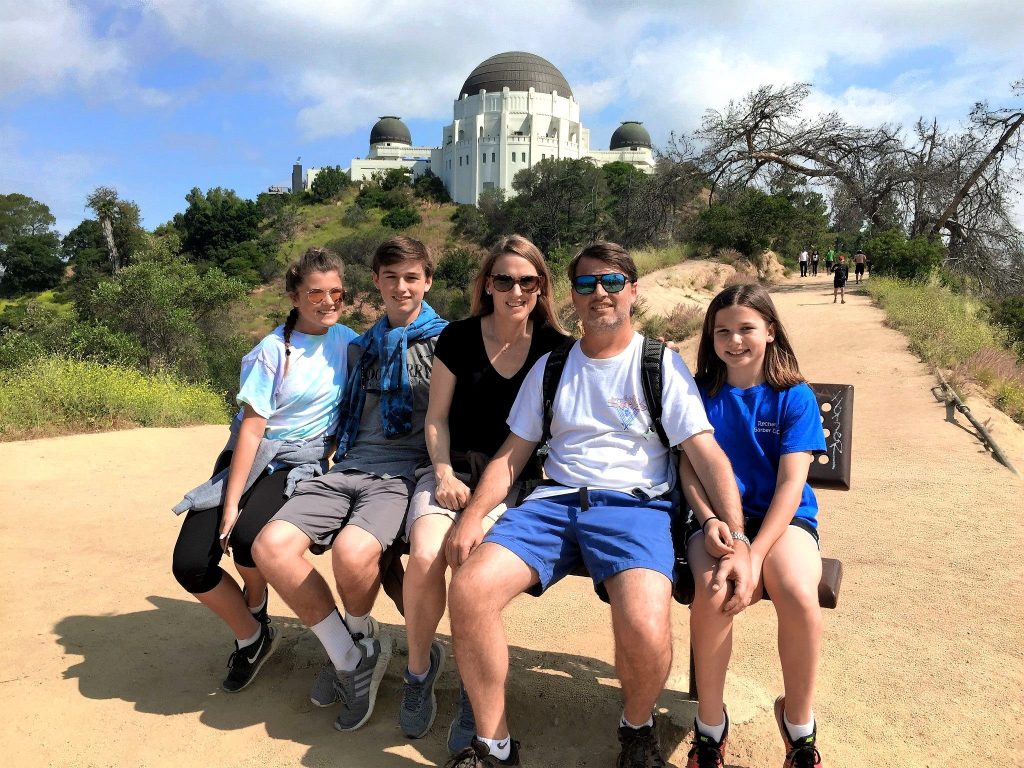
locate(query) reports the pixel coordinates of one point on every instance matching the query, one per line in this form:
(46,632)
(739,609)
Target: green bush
(457,267)
(893,255)
(53,395)
(1009,313)
(400,218)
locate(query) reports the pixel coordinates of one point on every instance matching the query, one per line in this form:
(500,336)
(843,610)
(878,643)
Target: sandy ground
(106,662)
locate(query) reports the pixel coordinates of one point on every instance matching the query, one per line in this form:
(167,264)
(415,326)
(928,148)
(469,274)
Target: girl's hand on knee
(717,538)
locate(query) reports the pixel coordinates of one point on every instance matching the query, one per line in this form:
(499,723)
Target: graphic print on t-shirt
(627,409)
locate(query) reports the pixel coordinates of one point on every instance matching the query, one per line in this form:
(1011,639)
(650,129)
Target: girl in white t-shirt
(290,386)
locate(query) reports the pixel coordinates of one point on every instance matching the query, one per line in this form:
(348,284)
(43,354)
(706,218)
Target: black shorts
(859,269)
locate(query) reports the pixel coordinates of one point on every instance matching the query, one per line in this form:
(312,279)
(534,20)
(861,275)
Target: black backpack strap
(552,375)
(651,379)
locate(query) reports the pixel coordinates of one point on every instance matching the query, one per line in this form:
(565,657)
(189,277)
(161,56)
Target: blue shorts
(606,531)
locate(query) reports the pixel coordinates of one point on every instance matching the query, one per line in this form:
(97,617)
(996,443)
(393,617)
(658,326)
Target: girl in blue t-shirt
(290,385)
(766,419)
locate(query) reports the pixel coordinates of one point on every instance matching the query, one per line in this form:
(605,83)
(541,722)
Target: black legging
(197,552)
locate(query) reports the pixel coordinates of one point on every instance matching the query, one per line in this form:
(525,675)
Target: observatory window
(483,157)
(492,157)
(460,161)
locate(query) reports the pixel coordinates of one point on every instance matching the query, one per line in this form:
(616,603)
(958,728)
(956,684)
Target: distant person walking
(803,263)
(859,260)
(830,259)
(815,258)
(840,274)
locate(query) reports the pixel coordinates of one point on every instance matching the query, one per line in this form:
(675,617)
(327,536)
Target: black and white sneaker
(245,662)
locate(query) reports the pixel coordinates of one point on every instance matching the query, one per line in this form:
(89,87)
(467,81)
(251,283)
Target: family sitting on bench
(738,442)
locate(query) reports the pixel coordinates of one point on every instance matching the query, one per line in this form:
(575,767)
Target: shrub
(53,395)
(893,255)
(400,218)
(683,321)
(457,267)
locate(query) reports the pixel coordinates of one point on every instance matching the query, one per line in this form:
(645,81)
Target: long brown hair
(781,370)
(517,245)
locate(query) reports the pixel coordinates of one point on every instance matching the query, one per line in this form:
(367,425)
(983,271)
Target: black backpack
(651,378)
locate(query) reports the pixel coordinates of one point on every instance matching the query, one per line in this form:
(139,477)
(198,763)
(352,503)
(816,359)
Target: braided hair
(313,260)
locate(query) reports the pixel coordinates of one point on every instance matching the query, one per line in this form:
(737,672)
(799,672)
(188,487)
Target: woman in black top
(479,365)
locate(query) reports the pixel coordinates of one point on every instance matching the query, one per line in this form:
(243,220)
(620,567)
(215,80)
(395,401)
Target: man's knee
(356,552)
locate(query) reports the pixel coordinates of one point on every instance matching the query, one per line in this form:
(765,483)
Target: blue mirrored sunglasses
(613,282)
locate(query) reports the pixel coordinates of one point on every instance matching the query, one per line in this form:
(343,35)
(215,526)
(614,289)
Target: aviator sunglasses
(505,283)
(317,295)
(613,282)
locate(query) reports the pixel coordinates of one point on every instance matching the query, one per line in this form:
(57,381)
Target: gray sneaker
(357,690)
(419,705)
(463,727)
(324,692)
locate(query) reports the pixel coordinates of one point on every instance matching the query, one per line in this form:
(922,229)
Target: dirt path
(106,662)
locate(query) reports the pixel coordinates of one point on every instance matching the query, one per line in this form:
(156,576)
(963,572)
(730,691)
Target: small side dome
(390,129)
(630,134)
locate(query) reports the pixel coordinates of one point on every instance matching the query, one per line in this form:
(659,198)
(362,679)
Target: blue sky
(154,97)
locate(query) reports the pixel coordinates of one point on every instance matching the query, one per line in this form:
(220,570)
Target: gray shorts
(424,502)
(322,506)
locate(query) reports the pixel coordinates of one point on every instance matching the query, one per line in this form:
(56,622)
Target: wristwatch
(738,536)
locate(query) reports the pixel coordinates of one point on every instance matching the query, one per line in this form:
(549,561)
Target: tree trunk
(972,180)
(108,234)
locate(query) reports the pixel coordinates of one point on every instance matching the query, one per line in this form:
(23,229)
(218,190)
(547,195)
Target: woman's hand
(227,524)
(717,538)
(451,493)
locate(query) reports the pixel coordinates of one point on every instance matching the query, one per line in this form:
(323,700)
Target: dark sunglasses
(612,282)
(505,283)
(317,295)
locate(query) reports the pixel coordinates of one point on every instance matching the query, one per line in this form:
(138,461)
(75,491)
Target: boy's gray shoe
(419,705)
(463,727)
(357,690)
(324,692)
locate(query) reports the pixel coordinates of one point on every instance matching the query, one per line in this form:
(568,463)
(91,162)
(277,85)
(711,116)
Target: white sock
(357,624)
(624,723)
(333,635)
(797,732)
(499,748)
(262,605)
(714,731)
(249,641)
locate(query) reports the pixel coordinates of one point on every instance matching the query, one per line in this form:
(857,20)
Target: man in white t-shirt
(803,263)
(606,506)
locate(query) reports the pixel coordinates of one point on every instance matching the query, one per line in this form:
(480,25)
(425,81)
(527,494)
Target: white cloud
(61,180)
(46,44)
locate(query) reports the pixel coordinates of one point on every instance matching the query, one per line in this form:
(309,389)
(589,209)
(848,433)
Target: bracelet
(713,517)
(740,536)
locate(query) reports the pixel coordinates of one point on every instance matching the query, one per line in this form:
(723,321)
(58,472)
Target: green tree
(21,215)
(178,317)
(558,202)
(31,263)
(329,183)
(215,221)
(430,187)
(893,255)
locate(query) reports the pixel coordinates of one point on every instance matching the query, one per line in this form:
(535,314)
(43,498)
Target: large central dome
(518,71)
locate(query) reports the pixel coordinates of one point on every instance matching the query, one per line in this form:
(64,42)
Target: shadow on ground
(554,696)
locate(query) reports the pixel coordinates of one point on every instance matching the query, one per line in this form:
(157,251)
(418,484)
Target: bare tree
(955,185)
